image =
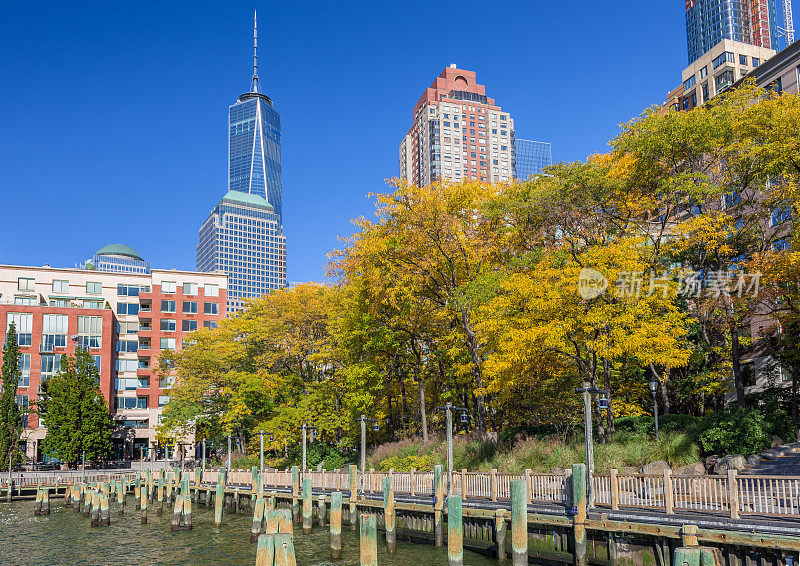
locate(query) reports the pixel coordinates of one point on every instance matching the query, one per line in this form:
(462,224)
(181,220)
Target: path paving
(780,461)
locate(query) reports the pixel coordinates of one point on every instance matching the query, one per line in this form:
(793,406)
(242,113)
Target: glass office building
(531,157)
(748,21)
(118,258)
(243,235)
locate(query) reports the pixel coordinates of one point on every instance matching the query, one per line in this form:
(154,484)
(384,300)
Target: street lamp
(305,429)
(229,452)
(448,409)
(364,420)
(204,454)
(653,383)
(587,391)
(261,444)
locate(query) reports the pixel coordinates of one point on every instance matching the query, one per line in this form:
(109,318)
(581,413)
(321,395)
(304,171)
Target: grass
(539,454)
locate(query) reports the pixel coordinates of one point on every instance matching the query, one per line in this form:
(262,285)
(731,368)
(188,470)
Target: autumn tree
(10,418)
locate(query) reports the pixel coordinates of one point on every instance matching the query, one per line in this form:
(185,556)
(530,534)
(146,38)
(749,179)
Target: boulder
(770,454)
(776,441)
(753,460)
(711,461)
(695,469)
(731,462)
(557,470)
(655,468)
(628,470)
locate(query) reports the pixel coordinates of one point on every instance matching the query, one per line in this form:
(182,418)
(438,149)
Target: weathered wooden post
(265,552)
(278,521)
(519,522)
(369,539)
(258,519)
(121,497)
(500,533)
(46,501)
(295,493)
(219,497)
(105,515)
(236,500)
(96,507)
(307,504)
(176,513)
(388,513)
(198,476)
(275,550)
(579,512)
(10,490)
(321,510)
(353,511)
(260,491)
(137,489)
(37,506)
(143,505)
(438,503)
(160,494)
(614,489)
(272,503)
(733,494)
(455,531)
(253,486)
(187,512)
(85,501)
(336,525)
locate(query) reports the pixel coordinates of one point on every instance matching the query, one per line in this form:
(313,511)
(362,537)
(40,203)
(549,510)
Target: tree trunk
(472,345)
(404,401)
(664,395)
(737,363)
(795,371)
(390,424)
(422,409)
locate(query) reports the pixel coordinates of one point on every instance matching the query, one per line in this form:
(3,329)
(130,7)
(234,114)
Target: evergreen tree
(10,419)
(77,416)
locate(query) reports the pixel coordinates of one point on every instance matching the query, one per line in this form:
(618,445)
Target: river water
(65,538)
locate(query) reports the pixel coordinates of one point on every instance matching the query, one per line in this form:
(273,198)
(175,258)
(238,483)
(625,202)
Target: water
(65,537)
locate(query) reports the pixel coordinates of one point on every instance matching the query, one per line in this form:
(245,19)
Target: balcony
(46,348)
(144,345)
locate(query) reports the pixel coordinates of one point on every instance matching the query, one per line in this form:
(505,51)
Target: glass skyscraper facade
(531,157)
(243,235)
(748,21)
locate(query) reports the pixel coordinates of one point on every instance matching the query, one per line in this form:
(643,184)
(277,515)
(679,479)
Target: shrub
(736,431)
(423,463)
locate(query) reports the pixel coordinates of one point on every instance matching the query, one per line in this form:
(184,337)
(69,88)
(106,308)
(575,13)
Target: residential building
(718,69)
(458,134)
(708,22)
(117,258)
(531,157)
(243,234)
(124,320)
(779,73)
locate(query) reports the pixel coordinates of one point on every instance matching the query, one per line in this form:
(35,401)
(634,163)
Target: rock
(655,468)
(753,460)
(628,470)
(711,461)
(731,462)
(776,441)
(557,470)
(770,454)
(695,469)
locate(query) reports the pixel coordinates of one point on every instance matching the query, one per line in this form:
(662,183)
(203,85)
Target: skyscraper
(748,21)
(458,133)
(531,157)
(243,235)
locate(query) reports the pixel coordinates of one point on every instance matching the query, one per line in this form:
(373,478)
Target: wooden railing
(65,478)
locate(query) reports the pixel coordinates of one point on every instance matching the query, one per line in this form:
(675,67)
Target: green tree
(77,416)
(10,418)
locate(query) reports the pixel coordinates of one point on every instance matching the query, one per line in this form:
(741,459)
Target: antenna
(254,87)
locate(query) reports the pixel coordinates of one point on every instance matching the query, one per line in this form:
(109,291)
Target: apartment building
(124,320)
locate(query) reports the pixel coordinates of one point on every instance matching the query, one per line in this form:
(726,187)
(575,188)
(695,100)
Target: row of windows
(189,307)
(50,364)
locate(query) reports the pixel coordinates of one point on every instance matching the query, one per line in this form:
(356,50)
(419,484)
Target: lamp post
(653,383)
(204,454)
(448,410)
(587,391)
(261,452)
(364,420)
(229,452)
(305,428)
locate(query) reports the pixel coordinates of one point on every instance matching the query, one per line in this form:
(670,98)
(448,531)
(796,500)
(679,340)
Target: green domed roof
(247,199)
(119,249)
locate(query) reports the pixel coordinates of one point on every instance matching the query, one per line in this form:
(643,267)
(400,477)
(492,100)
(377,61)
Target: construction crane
(788,24)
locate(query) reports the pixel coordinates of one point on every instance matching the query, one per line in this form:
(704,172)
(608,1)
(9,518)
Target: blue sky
(113,115)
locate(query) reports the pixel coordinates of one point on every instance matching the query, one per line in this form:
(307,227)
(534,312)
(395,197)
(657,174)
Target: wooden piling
(295,493)
(37,506)
(265,552)
(271,504)
(369,539)
(160,494)
(336,525)
(278,521)
(579,512)
(95,507)
(275,550)
(519,522)
(105,515)
(438,504)
(137,490)
(500,533)
(10,490)
(258,520)
(219,497)
(455,531)
(177,513)
(353,510)
(46,501)
(307,505)
(121,497)
(389,514)
(187,512)
(321,510)
(143,505)
(198,476)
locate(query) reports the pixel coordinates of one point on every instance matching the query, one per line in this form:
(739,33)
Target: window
(94,288)
(96,360)
(131,327)
(209,324)
(190,288)
(169,287)
(127,365)
(126,383)
(22,401)
(168,324)
(166,382)
(726,57)
(23,323)
(128,308)
(54,331)
(211,308)
(211,290)
(90,331)
(190,307)
(141,402)
(31,301)
(127,346)
(168,343)
(756,61)
(144,383)
(25,284)
(130,402)
(780,215)
(128,290)
(163,400)
(723,80)
(144,363)
(782,244)
(92,304)
(60,286)
(189,325)
(689,83)
(743,59)
(167,306)
(51,363)
(25,370)
(703,72)
(776,86)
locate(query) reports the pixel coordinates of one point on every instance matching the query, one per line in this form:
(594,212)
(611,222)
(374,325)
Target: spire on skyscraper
(254,87)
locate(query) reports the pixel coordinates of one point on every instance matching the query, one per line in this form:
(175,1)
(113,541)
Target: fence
(57,478)
(731,494)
